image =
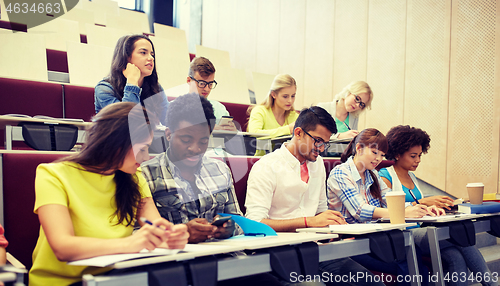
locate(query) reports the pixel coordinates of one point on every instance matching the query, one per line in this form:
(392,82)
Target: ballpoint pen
(346,125)
(413,196)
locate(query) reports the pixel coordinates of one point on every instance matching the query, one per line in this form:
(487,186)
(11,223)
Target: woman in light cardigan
(346,107)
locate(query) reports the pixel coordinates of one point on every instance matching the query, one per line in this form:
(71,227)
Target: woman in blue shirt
(133,77)
(406,145)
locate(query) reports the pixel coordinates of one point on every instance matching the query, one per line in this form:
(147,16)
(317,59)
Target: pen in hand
(346,125)
(145,220)
(413,196)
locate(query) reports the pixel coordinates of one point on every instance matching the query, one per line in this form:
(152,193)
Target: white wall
(430,63)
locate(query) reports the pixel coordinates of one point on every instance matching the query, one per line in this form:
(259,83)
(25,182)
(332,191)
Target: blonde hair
(356,87)
(280,81)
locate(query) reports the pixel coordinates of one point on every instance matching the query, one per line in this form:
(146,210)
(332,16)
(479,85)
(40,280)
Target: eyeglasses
(317,142)
(358,100)
(202,83)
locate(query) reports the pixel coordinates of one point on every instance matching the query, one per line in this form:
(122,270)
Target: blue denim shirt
(104,95)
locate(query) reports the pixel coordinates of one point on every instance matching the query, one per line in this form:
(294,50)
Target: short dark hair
(201,65)
(314,115)
(403,137)
(192,108)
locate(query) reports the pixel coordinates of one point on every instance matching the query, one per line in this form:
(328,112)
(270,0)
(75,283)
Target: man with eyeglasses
(201,79)
(286,189)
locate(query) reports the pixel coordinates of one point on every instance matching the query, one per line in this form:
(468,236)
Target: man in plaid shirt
(188,187)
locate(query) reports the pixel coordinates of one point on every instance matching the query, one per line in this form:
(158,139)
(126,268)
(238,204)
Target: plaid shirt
(348,195)
(174,197)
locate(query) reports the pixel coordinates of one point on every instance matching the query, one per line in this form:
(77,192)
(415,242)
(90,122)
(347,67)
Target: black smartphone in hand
(220,220)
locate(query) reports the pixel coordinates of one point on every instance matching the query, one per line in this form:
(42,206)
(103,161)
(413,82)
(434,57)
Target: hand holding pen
(432,210)
(154,234)
(348,134)
(413,196)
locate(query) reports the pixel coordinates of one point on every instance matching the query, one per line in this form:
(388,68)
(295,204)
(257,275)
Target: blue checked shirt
(348,195)
(178,202)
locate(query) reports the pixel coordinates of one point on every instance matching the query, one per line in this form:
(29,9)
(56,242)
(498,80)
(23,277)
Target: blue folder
(251,227)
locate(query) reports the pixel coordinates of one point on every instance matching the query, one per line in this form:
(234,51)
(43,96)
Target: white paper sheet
(106,260)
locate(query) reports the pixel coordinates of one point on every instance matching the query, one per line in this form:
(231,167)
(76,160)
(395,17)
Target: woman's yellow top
(90,199)
(262,120)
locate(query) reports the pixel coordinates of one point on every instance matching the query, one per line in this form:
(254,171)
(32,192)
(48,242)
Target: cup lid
(395,193)
(475,185)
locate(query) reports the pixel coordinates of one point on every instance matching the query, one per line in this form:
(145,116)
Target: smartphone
(225,120)
(221,220)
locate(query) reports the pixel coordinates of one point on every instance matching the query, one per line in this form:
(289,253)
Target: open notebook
(357,228)
(191,250)
(44,117)
(106,260)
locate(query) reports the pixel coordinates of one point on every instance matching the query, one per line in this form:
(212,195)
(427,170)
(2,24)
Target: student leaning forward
(88,203)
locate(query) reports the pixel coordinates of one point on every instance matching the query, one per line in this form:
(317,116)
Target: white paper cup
(476,191)
(396,206)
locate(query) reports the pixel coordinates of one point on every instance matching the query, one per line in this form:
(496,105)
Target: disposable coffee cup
(476,191)
(396,206)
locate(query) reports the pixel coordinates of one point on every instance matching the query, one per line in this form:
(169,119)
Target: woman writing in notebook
(406,146)
(346,107)
(133,77)
(88,203)
(356,190)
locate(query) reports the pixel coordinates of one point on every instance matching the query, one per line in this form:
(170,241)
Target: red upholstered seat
(239,113)
(30,98)
(79,102)
(57,61)
(21,224)
(240,168)
(13,26)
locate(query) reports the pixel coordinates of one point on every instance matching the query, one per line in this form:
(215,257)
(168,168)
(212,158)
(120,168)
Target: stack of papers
(357,228)
(443,218)
(193,250)
(106,260)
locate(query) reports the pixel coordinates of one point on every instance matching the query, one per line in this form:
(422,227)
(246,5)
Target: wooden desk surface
(3,151)
(283,238)
(226,132)
(14,121)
